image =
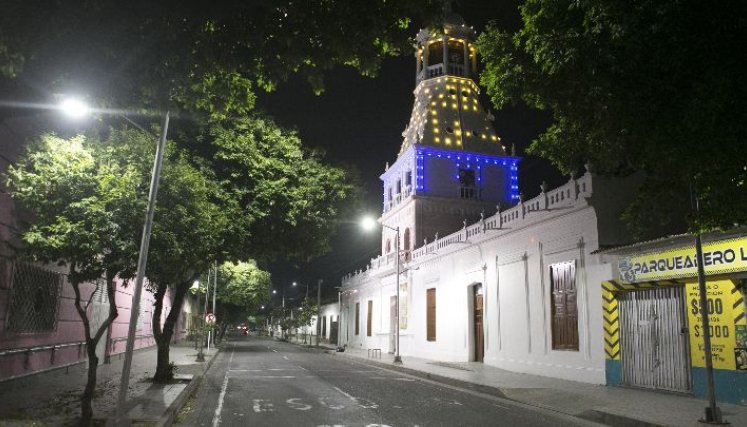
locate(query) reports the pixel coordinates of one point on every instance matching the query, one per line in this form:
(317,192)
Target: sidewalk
(53,397)
(615,406)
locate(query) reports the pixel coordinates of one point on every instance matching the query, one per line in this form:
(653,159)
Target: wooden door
(479,337)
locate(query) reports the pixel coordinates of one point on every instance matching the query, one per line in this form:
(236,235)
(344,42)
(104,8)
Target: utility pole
(215,287)
(318,311)
(207,300)
(339,317)
(712,412)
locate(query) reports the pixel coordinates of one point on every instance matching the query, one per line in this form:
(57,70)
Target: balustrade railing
(566,196)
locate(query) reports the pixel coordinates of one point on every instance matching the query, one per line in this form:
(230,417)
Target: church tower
(452,165)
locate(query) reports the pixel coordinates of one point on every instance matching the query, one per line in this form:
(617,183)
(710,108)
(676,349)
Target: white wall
(512,263)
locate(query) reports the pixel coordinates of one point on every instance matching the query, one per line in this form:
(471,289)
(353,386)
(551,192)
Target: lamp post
(368,223)
(77,108)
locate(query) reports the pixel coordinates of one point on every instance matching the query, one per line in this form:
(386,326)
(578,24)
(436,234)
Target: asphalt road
(262,382)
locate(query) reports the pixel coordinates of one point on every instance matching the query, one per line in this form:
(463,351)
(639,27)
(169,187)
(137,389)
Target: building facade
(484,275)
(653,331)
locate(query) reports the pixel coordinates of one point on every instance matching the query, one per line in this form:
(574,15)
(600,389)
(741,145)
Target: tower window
(449,130)
(465,94)
(408,178)
(399,186)
(452,92)
(467,188)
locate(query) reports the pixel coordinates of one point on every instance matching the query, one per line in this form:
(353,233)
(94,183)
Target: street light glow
(274,291)
(368,223)
(294,283)
(74,108)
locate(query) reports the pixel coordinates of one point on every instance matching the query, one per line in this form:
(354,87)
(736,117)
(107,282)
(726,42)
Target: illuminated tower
(451,166)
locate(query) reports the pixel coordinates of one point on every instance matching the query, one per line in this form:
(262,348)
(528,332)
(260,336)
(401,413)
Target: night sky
(359,121)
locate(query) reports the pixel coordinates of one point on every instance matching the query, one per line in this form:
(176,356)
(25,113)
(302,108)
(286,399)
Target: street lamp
(77,108)
(73,107)
(368,223)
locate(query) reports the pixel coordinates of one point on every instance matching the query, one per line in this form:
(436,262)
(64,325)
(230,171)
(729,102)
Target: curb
(167,418)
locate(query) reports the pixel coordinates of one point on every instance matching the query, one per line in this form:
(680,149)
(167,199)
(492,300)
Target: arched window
(406,246)
(388,246)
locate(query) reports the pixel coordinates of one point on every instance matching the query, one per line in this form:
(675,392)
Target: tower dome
(447,112)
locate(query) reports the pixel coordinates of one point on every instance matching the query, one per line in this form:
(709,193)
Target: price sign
(723,314)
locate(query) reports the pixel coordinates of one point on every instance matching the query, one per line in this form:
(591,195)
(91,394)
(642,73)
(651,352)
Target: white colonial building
(485,276)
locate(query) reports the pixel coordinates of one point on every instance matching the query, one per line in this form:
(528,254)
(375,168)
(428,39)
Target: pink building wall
(26,353)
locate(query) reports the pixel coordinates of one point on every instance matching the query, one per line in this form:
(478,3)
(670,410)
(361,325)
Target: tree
(242,287)
(187,229)
(243,284)
(282,199)
(75,199)
(202,57)
(305,315)
(642,86)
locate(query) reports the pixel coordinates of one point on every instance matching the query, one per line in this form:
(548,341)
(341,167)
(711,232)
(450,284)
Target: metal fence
(34,299)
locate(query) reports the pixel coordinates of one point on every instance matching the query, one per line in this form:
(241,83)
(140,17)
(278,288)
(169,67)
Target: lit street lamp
(369,223)
(76,108)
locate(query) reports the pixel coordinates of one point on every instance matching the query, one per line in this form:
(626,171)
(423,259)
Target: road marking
(363,403)
(327,405)
(298,405)
(263,405)
(264,370)
(344,394)
(230,361)
(274,350)
(221,397)
(302,368)
(275,376)
(285,357)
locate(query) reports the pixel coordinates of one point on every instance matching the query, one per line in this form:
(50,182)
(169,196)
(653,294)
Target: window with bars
(369,318)
(564,307)
(357,318)
(431,314)
(34,298)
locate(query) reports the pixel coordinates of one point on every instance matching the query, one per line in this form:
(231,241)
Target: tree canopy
(285,198)
(243,284)
(636,86)
(207,57)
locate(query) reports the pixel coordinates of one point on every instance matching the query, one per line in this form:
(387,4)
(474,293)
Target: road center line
(221,397)
(285,357)
(230,361)
(345,394)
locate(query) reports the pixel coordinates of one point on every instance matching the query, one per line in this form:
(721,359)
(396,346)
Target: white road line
(274,376)
(274,350)
(285,357)
(265,370)
(345,394)
(230,361)
(221,397)
(302,368)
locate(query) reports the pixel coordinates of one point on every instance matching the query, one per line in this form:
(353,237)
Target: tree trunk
(86,405)
(163,336)
(86,400)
